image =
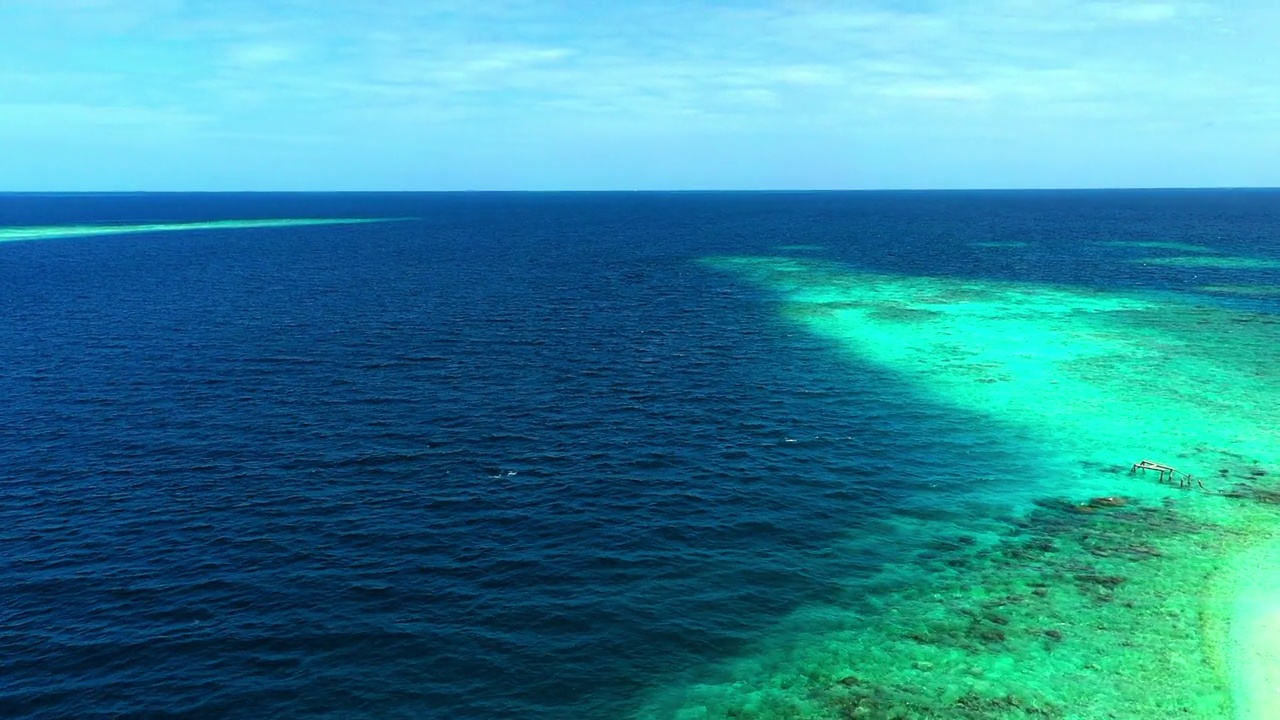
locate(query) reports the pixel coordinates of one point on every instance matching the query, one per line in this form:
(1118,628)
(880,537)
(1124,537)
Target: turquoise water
(1086,606)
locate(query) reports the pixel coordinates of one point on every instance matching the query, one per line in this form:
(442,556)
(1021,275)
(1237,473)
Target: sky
(127,95)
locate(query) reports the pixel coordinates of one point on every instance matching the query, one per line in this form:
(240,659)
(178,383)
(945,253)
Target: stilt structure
(1184,480)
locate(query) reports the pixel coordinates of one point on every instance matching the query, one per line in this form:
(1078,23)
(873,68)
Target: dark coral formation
(1058,581)
(901,702)
(1247,491)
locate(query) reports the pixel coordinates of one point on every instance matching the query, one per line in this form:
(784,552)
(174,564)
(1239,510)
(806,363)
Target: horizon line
(675,191)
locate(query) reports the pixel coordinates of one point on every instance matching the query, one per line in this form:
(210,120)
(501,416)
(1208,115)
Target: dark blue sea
(502,456)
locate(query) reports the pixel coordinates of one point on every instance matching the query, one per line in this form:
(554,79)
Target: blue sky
(562,94)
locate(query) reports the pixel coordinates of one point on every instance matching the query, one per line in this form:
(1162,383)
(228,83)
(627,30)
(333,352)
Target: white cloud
(94,17)
(1135,12)
(59,116)
(939,91)
(803,75)
(253,56)
(752,97)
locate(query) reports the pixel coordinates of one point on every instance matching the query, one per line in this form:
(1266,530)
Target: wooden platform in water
(1184,479)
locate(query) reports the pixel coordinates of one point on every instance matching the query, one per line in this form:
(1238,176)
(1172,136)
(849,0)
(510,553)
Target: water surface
(611,455)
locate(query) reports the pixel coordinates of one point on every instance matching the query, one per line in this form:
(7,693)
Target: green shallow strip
(1000,244)
(1065,609)
(801,248)
(1161,245)
(1241,289)
(1222,263)
(47,232)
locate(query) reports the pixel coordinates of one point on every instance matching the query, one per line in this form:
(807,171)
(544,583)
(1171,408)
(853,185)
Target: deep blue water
(518,457)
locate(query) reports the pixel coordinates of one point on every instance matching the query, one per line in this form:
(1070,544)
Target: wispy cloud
(531,69)
(254,56)
(61,117)
(694,60)
(1135,12)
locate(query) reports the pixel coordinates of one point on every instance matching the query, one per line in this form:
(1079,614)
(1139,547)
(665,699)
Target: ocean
(638,455)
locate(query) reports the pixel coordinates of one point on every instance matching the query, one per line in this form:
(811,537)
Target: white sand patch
(1255,635)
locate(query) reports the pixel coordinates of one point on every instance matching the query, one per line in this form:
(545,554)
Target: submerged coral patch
(1081,589)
